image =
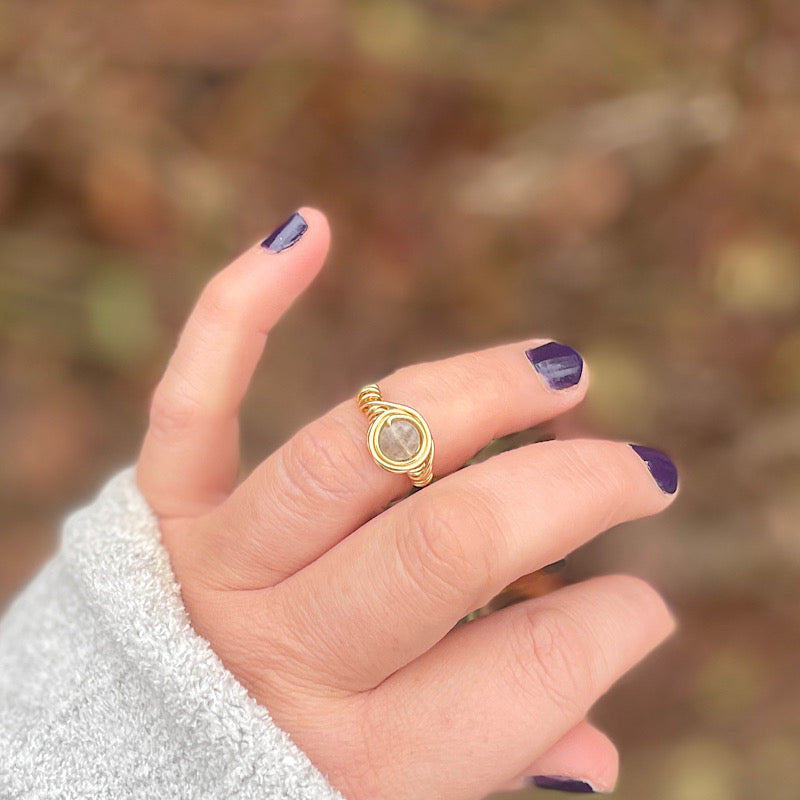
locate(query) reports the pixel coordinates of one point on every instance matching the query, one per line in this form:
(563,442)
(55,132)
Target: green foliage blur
(623,176)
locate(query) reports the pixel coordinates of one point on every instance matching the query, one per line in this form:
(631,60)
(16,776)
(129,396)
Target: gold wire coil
(380,413)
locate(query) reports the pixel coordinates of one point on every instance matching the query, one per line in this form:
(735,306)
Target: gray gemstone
(399,440)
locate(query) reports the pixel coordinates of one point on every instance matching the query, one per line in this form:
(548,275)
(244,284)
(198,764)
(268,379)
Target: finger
(190,456)
(272,525)
(584,758)
(498,691)
(404,579)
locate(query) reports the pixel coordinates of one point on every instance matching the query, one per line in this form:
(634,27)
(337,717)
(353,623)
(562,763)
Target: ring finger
(497,690)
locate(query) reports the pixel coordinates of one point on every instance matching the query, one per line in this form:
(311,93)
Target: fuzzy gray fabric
(107,691)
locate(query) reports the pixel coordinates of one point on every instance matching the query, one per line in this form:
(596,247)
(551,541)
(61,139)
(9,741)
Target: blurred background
(623,176)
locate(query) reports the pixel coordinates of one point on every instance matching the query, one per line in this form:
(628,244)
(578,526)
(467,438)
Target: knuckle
(635,593)
(450,547)
(456,377)
(320,462)
(406,375)
(550,659)
(597,472)
(221,298)
(173,411)
(636,590)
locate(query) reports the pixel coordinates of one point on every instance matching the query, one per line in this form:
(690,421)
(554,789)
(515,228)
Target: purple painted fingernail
(559,365)
(561,784)
(286,234)
(661,467)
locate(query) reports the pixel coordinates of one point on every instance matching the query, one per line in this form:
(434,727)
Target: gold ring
(398,437)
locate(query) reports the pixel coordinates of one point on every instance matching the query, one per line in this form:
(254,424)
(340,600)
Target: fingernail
(661,467)
(559,365)
(286,235)
(561,784)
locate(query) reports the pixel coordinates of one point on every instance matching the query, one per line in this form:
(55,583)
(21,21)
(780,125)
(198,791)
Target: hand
(336,610)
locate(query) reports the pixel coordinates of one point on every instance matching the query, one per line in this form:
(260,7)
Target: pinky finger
(583,761)
(500,689)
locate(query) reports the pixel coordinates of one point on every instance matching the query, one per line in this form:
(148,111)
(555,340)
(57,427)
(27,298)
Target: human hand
(337,611)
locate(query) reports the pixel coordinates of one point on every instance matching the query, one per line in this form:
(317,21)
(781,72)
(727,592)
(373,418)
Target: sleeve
(107,691)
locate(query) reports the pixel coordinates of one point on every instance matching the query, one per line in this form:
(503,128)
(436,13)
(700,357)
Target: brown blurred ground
(622,176)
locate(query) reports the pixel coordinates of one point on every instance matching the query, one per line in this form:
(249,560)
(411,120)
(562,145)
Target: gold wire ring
(402,432)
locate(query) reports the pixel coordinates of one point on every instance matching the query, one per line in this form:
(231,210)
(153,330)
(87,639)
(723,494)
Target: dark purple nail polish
(561,784)
(661,467)
(285,235)
(559,365)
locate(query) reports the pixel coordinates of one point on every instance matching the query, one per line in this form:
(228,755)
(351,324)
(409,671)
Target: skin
(336,610)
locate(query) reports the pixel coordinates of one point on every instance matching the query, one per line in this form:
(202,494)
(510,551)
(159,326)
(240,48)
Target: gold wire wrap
(379,412)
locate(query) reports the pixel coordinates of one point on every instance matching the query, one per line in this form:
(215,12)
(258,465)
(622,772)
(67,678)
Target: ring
(398,437)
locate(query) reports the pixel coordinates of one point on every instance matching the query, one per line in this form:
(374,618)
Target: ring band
(398,437)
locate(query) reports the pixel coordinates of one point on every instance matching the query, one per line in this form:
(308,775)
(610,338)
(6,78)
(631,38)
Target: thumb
(190,457)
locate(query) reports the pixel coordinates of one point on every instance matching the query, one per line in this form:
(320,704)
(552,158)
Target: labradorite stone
(399,440)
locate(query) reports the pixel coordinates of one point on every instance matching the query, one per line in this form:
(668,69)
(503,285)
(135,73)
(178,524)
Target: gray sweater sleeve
(107,691)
